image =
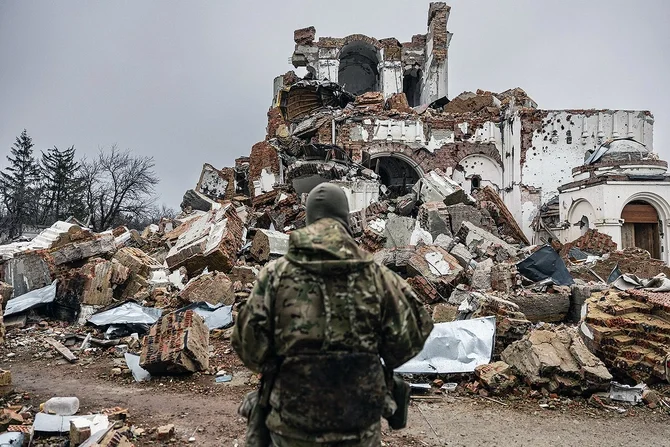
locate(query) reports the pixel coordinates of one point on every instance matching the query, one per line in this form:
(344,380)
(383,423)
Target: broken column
(213,288)
(268,244)
(177,344)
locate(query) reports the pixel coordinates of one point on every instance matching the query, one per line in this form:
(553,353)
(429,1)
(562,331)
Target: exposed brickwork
(263,156)
(304,36)
(592,242)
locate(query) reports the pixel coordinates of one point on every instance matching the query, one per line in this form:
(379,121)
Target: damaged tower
(373,116)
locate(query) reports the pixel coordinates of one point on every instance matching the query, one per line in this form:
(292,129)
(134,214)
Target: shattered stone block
(481,277)
(503,277)
(436,266)
(177,344)
(477,240)
(434,218)
(444,241)
(462,212)
(462,254)
(543,307)
(100,279)
(398,230)
(630,332)
(214,288)
(194,200)
(268,244)
(436,186)
(372,241)
(263,168)
(28,271)
(579,293)
(497,377)
(557,360)
(6,291)
(212,240)
(507,226)
(216,184)
(405,204)
(76,251)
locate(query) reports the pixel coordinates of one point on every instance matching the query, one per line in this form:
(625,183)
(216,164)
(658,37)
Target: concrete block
(398,230)
(481,277)
(214,288)
(503,277)
(28,271)
(462,254)
(268,244)
(497,377)
(544,307)
(177,344)
(194,200)
(244,273)
(211,240)
(436,186)
(478,240)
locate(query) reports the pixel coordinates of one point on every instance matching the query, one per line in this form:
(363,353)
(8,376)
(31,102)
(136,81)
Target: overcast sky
(190,82)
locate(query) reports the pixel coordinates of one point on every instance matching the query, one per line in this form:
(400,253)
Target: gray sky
(191,82)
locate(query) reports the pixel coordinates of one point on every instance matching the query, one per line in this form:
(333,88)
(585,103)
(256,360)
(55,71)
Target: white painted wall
(390,77)
(360,193)
(608,200)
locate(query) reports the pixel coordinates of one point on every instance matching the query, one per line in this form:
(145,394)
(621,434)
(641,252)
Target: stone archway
(397,172)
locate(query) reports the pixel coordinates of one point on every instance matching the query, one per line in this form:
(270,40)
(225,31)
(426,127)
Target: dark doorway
(641,228)
(396,174)
(411,85)
(358,71)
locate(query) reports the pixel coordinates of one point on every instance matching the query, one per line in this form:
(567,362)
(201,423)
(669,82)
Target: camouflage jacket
(328,295)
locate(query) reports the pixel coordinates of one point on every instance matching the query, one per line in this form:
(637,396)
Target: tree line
(113,188)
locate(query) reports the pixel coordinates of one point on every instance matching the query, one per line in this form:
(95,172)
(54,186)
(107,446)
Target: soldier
(317,323)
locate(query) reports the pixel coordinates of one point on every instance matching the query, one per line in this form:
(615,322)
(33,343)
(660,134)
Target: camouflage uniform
(329,298)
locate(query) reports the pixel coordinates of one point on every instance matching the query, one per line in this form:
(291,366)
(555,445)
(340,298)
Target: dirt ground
(200,408)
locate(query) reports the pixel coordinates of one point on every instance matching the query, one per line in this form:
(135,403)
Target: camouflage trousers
(283,441)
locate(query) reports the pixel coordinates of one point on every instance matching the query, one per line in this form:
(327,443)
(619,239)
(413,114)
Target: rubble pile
(164,289)
(557,359)
(630,331)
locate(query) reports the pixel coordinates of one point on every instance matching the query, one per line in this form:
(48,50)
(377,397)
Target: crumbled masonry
(452,194)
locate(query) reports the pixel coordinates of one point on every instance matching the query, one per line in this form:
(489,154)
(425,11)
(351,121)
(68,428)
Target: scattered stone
(481,277)
(5,377)
(497,377)
(165,432)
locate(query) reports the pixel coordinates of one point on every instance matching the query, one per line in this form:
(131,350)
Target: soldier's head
(328,200)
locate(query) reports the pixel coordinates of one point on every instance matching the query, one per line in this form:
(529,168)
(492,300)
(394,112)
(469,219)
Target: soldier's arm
(252,333)
(405,323)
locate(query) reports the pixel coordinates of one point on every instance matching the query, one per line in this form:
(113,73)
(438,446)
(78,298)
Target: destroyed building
(373,115)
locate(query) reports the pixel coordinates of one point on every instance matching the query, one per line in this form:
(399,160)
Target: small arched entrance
(641,227)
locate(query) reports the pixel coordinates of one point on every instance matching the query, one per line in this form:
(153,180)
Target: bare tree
(118,184)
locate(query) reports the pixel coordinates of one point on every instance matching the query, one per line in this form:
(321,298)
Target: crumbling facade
(374,116)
